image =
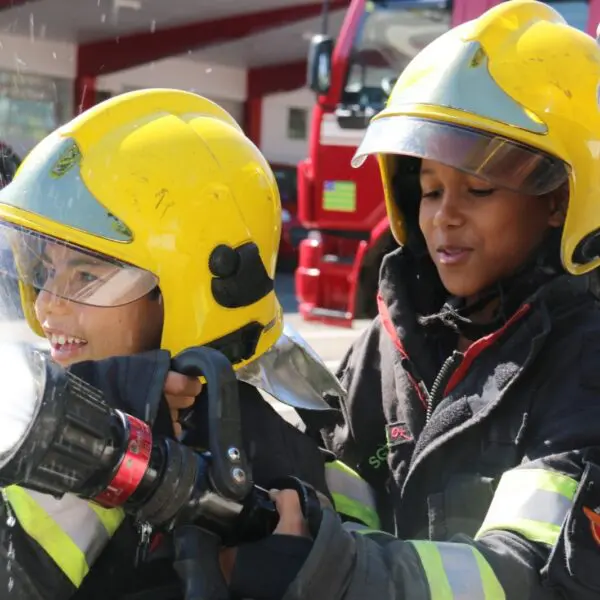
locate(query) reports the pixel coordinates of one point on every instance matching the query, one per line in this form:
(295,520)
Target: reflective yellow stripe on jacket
(531,502)
(71,531)
(456,571)
(353,497)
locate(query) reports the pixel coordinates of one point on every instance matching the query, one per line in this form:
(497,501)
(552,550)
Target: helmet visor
(68,271)
(500,161)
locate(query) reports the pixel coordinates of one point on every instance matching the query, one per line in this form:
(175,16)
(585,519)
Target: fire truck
(342,208)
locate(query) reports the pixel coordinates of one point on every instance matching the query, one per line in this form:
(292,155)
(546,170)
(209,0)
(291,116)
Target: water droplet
(10,522)
(153,26)
(103,18)
(209,70)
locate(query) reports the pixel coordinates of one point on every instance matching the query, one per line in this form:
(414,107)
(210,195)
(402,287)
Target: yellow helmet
(512,97)
(165,184)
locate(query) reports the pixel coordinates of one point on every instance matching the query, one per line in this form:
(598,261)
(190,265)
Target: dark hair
(154,294)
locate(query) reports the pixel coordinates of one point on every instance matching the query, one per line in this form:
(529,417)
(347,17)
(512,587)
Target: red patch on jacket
(594,519)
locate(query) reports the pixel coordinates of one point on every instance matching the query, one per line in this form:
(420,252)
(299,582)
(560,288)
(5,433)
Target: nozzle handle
(260,518)
(230,469)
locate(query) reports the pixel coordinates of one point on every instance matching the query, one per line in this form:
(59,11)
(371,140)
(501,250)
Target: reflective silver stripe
(342,480)
(457,572)
(546,506)
(352,495)
(462,572)
(531,502)
(77,520)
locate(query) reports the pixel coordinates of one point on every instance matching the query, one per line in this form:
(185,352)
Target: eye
(431,195)
(481,193)
(42,272)
(86,277)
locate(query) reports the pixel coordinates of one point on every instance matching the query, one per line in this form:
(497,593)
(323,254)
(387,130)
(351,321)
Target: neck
(486,312)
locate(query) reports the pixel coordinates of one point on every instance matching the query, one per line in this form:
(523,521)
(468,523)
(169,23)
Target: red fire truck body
(342,208)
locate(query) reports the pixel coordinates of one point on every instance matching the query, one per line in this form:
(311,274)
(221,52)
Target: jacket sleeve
(48,545)
(359,373)
(539,541)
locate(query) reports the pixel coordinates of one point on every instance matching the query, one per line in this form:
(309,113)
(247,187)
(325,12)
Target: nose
(47,304)
(449,213)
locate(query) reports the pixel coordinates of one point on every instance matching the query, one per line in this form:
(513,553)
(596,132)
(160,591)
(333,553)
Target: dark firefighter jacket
(41,555)
(497,494)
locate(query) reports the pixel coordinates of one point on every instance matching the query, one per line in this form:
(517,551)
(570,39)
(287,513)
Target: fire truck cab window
(389,37)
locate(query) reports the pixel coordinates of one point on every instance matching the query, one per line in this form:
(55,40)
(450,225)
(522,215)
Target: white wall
(275,143)
(224,85)
(37,56)
(57,59)
(208,79)
(45,70)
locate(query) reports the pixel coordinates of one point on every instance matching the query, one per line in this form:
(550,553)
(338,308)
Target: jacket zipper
(441,381)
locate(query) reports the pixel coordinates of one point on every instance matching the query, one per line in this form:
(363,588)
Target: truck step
(342,260)
(330,313)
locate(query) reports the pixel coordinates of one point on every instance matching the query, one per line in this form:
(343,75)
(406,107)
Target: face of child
(78,331)
(476,233)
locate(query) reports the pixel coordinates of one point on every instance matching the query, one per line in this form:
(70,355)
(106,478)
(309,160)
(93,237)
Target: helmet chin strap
(507,294)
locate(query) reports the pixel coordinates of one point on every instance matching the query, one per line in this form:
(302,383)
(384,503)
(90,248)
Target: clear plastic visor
(502,162)
(68,271)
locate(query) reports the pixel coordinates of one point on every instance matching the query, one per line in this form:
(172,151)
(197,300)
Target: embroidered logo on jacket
(397,433)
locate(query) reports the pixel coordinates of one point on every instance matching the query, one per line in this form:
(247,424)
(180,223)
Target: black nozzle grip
(309,500)
(230,470)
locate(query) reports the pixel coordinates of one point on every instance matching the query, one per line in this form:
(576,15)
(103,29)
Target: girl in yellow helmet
(474,396)
(147,225)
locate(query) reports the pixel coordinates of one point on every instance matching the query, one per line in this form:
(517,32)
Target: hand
(291,522)
(180,392)
(291,519)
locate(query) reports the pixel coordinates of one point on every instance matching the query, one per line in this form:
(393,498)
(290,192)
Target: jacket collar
(408,288)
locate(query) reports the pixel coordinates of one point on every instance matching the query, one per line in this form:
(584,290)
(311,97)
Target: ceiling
(84,21)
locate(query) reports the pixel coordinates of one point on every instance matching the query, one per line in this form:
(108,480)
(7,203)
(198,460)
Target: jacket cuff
(278,559)
(327,569)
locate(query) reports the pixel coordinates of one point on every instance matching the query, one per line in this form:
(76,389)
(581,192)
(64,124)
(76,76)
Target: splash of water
(19,398)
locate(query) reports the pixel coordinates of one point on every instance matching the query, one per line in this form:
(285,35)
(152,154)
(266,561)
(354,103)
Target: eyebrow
(426,172)
(75,262)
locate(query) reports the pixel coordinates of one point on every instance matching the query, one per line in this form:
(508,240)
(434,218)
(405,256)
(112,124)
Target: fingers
(291,519)
(180,392)
(179,402)
(181,386)
(177,429)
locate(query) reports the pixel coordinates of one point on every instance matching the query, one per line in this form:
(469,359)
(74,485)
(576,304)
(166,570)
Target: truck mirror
(354,117)
(319,63)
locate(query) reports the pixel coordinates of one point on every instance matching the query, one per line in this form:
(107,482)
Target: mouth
(452,255)
(63,341)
